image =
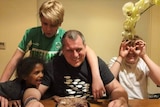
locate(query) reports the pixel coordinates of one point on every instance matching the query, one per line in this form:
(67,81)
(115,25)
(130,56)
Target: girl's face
(35,77)
(48,27)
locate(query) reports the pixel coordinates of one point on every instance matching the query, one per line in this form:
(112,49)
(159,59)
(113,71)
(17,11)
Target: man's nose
(75,53)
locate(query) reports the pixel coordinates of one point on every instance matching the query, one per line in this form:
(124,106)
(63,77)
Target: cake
(72,102)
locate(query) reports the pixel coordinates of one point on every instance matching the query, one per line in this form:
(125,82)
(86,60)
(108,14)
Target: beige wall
(99,20)
(15,17)
(153,42)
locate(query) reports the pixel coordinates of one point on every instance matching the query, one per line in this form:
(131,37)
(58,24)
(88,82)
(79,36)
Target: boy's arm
(11,66)
(97,85)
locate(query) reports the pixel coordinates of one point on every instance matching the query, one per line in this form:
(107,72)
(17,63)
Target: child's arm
(97,85)
(11,66)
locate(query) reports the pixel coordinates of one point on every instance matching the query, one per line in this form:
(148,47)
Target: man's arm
(11,66)
(118,95)
(32,96)
(97,85)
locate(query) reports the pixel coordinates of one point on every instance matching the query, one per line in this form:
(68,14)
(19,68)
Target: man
(70,75)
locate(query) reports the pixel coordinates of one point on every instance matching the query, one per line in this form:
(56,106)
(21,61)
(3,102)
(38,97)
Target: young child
(133,66)
(29,73)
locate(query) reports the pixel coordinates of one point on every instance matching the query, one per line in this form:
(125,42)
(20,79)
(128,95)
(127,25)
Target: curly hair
(26,65)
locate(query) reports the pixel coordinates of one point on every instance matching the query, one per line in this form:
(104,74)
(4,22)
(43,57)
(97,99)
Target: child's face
(48,27)
(35,76)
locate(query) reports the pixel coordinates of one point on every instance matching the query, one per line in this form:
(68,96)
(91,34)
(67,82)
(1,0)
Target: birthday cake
(73,102)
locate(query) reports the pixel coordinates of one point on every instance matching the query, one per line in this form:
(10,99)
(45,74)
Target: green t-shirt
(39,45)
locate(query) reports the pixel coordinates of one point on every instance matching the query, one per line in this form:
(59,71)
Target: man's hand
(34,103)
(56,98)
(121,102)
(4,101)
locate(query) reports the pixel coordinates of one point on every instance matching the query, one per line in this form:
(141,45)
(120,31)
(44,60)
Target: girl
(29,73)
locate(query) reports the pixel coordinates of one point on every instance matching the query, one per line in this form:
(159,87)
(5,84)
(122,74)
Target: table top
(103,103)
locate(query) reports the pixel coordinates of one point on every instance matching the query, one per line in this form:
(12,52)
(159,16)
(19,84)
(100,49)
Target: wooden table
(103,103)
(144,103)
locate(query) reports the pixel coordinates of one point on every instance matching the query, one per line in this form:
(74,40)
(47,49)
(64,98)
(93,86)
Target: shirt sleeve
(48,74)
(26,42)
(11,89)
(111,62)
(105,72)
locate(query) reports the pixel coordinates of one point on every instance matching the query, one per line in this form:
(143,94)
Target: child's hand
(98,88)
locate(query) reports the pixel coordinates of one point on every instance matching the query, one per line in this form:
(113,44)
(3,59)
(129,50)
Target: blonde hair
(52,10)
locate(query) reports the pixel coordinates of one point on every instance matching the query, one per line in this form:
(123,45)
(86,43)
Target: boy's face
(132,57)
(48,27)
(35,77)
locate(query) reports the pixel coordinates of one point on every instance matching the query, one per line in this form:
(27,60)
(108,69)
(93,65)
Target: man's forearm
(31,98)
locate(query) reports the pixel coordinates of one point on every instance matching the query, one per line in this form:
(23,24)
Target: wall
(101,21)
(15,17)
(153,43)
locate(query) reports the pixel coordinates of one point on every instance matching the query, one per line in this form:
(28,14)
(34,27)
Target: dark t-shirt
(65,80)
(12,90)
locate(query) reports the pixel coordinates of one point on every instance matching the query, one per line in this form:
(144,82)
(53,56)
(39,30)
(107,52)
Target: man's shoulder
(57,59)
(100,60)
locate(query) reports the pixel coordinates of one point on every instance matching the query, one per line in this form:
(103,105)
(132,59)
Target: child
(29,73)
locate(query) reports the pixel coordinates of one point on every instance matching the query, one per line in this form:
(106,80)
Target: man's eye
(78,50)
(69,51)
(45,24)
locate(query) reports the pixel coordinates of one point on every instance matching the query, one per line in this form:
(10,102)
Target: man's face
(48,27)
(74,51)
